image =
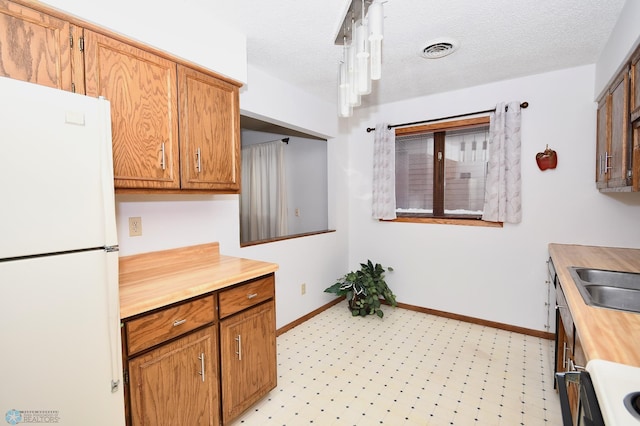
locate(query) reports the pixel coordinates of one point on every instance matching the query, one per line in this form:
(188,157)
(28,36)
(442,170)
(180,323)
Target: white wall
(307,168)
(497,274)
(623,39)
(273,100)
(191,29)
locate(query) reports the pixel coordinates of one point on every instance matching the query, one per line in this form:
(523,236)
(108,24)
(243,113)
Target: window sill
(447,221)
(286,237)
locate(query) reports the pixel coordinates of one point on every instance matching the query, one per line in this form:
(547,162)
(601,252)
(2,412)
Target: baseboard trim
(308,316)
(493,324)
(473,320)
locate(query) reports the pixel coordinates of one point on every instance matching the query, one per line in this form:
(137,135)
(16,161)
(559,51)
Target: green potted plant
(364,289)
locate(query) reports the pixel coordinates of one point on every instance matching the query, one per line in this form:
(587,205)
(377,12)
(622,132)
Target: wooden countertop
(604,333)
(153,280)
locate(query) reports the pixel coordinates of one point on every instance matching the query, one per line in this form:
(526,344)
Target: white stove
(612,383)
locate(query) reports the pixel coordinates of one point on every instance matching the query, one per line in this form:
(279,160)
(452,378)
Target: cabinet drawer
(149,330)
(246,295)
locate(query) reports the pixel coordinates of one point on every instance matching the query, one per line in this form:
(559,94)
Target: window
(305,186)
(441,169)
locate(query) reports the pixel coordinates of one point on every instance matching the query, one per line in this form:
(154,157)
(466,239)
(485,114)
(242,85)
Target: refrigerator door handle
(113,311)
(108,192)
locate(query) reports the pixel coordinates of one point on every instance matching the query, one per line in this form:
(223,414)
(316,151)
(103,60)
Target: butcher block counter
(604,333)
(198,334)
(153,280)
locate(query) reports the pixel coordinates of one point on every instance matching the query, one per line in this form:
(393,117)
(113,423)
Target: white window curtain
(263,208)
(503,196)
(384,173)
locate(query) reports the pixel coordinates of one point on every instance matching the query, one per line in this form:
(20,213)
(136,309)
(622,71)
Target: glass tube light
(344,108)
(350,60)
(375,17)
(362,58)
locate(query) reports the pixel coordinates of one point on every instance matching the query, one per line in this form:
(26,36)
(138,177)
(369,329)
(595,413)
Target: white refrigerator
(60,354)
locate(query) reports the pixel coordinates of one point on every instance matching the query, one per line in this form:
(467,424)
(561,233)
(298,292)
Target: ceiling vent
(440,48)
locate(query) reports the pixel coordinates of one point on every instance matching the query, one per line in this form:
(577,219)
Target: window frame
(439,130)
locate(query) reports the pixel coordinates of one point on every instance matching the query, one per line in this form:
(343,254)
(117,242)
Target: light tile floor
(408,368)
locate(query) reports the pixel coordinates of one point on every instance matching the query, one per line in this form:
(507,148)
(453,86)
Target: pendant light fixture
(361,36)
(344,106)
(376,34)
(351,59)
(362,57)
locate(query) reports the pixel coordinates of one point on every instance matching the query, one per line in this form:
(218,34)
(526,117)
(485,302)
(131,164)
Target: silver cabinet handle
(607,157)
(252,295)
(179,322)
(565,359)
(201,372)
(163,164)
(198,162)
(239,351)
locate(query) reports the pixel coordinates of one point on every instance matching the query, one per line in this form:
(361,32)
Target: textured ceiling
(499,39)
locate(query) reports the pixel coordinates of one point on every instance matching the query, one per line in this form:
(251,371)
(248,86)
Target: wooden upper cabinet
(141,88)
(635,118)
(635,86)
(209,132)
(613,161)
(173,127)
(619,147)
(36,47)
(602,139)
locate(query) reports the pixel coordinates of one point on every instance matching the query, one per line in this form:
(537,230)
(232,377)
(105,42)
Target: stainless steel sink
(608,289)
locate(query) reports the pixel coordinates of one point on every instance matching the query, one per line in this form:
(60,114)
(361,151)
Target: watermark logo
(14,417)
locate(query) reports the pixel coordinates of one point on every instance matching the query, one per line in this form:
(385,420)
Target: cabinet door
(619,148)
(636,155)
(635,118)
(248,358)
(35,47)
(177,383)
(142,90)
(635,86)
(209,132)
(603,137)
(565,358)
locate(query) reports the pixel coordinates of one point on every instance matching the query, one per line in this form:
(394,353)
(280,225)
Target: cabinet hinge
(73,87)
(125,376)
(70,39)
(81,41)
(629,174)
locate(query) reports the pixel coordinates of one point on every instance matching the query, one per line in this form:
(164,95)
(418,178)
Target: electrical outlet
(135,226)
(303,288)
(297,212)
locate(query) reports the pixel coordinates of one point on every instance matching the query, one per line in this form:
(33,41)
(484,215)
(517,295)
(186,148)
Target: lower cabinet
(177,383)
(247,358)
(203,361)
(569,353)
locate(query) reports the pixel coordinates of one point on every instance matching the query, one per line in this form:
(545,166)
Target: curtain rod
(391,126)
(283,140)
